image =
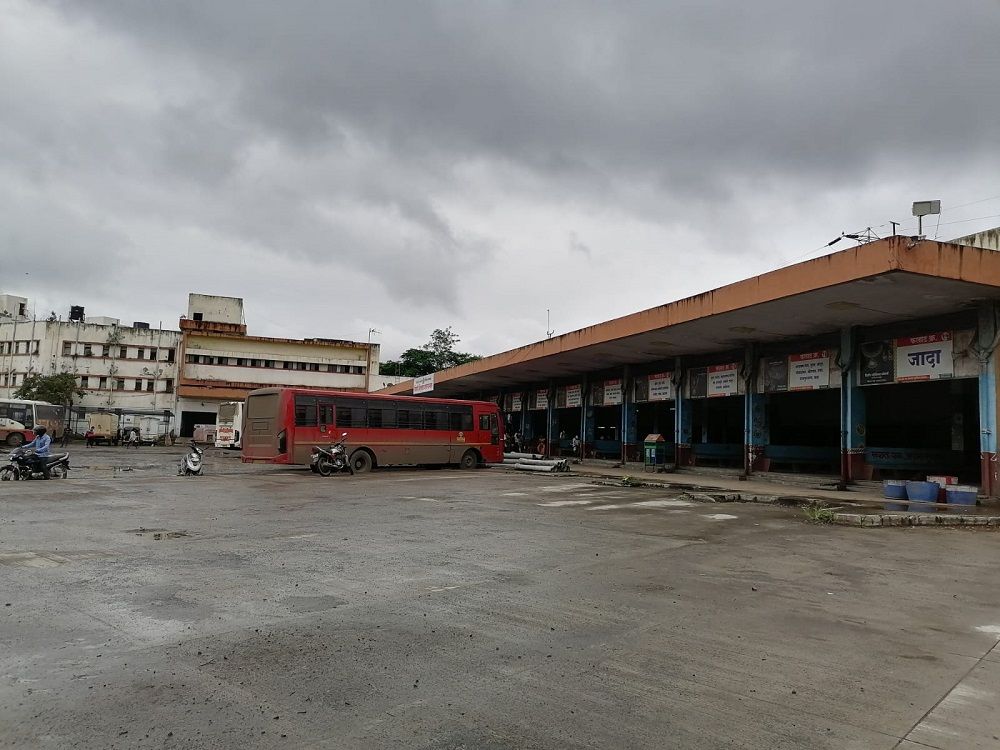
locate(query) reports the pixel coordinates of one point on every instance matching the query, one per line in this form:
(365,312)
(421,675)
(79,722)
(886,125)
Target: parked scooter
(22,466)
(192,461)
(326,461)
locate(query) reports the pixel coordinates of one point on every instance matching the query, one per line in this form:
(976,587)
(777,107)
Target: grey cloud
(656,88)
(409,160)
(578,247)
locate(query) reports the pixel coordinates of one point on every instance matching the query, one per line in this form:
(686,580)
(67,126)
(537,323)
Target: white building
(131,369)
(221,362)
(182,375)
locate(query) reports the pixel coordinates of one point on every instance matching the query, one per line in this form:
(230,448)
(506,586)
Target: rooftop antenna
(922,209)
(548,323)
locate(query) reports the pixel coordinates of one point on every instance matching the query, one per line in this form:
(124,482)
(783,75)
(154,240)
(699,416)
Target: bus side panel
(264,420)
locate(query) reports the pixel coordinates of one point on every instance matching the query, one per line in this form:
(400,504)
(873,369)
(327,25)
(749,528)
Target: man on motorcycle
(40,445)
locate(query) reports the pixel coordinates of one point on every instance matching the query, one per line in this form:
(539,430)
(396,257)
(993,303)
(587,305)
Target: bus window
(410,419)
(462,420)
(484,421)
(435,419)
(352,414)
(382,416)
(325,413)
(305,411)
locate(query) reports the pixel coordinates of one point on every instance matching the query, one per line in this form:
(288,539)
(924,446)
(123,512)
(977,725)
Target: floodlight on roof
(922,209)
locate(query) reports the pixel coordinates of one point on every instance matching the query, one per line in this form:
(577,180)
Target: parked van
(104,427)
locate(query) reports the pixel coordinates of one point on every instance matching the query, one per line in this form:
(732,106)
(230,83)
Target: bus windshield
(227,412)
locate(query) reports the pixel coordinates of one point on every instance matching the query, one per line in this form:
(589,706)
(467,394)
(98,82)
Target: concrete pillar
(682,419)
(551,429)
(754,412)
(629,419)
(988,337)
(757,428)
(853,424)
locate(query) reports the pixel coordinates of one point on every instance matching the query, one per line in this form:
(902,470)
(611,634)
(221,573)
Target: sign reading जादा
(924,357)
(423,384)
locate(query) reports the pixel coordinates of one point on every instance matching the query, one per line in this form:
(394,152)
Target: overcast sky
(412,165)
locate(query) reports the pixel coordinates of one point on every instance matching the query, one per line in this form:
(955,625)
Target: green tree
(437,354)
(56,389)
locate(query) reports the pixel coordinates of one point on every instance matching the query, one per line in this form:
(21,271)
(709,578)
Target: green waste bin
(654,452)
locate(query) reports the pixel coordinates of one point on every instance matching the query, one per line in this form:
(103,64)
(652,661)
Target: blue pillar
(754,412)
(757,428)
(630,417)
(682,418)
(853,421)
(988,330)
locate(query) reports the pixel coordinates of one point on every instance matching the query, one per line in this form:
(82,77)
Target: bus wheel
(361,461)
(469,460)
(15,440)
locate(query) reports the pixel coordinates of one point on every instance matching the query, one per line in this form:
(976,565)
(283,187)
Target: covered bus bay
(875,362)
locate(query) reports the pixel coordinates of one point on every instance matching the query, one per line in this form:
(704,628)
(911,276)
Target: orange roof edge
(892,254)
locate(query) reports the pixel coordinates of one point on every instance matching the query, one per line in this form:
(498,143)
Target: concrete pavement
(442,609)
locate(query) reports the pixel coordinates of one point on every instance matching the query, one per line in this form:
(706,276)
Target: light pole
(368,369)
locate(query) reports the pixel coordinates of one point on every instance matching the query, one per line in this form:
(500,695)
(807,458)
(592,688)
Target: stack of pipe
(535,462)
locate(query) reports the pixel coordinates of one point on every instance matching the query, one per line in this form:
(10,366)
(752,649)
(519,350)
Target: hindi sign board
(423,384)
(661,387)
(697,382)
(574,396)
(539,400)
(876,363)
(924,357)
(807,372)
(774,374)
(723,380)
(612,392)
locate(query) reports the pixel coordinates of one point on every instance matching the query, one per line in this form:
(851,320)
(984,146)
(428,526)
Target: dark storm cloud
(657,88)
(412,161)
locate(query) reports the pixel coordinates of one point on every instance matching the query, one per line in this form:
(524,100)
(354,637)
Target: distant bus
(18,420)
(283,424)
(229,425)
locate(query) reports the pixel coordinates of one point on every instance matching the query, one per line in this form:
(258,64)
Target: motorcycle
(191,462)
(22,466)
(326,461)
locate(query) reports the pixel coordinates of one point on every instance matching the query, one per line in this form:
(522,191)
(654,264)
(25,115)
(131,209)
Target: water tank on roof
(76,313)
(139,324)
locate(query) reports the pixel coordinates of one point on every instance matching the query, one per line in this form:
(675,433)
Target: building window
(120,384)
(196,316)
(149,385)
(122,352)
(138,385)
(88,350)
(152,353)
(85,382)
(191,359)
(67,348)
(168,385)
(170,355)
(102,383)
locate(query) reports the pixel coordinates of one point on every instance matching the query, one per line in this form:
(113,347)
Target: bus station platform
(864,498)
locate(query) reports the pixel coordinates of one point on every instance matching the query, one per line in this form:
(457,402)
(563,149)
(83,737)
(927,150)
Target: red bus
(281,425)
